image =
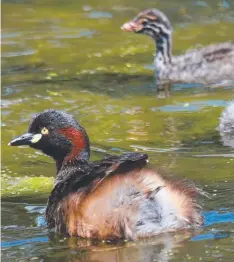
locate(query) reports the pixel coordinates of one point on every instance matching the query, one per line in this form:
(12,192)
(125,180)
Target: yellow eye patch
(36,138)
(44,131)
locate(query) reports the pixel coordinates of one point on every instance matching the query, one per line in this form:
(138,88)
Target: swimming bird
(118,197)
(226,125)
(208,65)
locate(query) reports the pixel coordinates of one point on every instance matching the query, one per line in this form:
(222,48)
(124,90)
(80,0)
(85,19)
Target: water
(72,55)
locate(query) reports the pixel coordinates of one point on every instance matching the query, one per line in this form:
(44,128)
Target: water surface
(72,55)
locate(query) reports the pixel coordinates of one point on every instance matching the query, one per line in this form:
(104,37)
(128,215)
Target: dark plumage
(118,197)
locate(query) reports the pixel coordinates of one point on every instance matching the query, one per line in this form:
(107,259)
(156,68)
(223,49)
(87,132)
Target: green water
(72,55)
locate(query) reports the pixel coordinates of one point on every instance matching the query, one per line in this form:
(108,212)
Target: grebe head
(151,22)
(57,134)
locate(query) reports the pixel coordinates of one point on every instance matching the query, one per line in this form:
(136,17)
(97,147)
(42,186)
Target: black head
(57,134)
(151,22)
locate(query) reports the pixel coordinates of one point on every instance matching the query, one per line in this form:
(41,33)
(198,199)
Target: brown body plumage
(125,203)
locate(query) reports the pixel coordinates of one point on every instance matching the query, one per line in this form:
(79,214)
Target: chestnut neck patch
(77,139)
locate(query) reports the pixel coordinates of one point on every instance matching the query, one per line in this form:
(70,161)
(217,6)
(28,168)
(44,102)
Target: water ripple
(191,106)
(19,53)
(99,14)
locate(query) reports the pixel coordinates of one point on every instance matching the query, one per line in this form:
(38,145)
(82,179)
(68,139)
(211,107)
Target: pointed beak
(26,139)
(131,27)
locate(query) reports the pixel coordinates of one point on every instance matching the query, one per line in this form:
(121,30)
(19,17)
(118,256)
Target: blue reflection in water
(41,222)
(24,241)
(214,235)
(215,217)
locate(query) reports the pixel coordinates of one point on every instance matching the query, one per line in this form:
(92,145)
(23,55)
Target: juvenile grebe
(118,197)
(208,65)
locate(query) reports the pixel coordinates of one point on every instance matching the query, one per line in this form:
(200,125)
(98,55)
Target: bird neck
(79,148)
(59,164)
(163,43)
(66,162)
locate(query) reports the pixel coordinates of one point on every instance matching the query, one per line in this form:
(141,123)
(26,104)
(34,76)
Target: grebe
(208,65)
(118,197)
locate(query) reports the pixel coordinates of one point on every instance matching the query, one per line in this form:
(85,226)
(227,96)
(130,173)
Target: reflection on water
(96,14)
(193,106)
(72,55)
(159,248)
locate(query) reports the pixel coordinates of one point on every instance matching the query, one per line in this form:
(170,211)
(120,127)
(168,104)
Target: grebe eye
(145,22)
(44,131)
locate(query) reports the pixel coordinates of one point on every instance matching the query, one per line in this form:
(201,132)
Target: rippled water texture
(72,55)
